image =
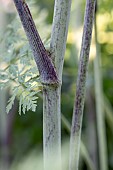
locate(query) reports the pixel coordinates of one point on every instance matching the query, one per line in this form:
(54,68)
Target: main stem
(51,94)
(80,88)
(51,128)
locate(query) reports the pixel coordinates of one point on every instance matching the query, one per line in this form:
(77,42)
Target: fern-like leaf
(11,100)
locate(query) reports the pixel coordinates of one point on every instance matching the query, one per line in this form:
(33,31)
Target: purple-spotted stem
(44,63)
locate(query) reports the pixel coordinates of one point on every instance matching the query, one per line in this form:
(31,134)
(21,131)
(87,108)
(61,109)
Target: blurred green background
(21,137)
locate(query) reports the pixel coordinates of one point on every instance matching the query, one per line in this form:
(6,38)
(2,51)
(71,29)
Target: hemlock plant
(28,80)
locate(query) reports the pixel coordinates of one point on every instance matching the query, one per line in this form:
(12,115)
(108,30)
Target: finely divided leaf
(11,100)
(28,101)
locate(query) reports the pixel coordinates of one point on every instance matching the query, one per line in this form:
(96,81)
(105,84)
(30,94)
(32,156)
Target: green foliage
(11,100)
(18,69)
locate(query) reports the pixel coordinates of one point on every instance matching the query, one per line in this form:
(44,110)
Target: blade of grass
(99,109)
(108,112)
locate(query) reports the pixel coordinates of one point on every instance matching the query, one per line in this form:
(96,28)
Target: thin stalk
(51,95)
(81,85)
(99,108)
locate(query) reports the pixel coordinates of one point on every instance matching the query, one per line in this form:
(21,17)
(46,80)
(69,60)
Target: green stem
(80,89)
(99,109)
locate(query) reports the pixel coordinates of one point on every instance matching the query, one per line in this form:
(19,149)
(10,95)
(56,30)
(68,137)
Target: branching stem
(45,66)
